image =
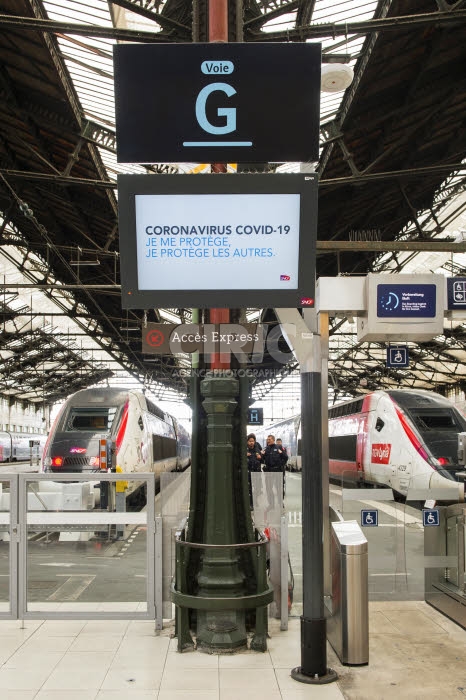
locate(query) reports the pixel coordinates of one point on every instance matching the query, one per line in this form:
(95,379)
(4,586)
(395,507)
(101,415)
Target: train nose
(73,455)
(447,486)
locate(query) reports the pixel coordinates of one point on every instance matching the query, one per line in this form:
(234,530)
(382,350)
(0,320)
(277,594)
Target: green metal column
(219,575)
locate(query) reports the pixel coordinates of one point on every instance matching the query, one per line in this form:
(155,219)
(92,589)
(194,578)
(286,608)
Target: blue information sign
(255,416)
(369,518)
(397,356)
(406,300)
(456,287)
(431,517)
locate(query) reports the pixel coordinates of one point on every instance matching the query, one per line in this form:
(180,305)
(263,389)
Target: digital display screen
(406,300)
(217,240)
(217,102)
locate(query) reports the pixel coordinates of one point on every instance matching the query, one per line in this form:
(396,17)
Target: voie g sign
(237,240)
(217,102)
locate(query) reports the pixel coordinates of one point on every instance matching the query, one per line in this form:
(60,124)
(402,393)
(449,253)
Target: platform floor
(415,652)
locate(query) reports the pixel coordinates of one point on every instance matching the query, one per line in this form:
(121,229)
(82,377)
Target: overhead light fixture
(129,328)
(336,77)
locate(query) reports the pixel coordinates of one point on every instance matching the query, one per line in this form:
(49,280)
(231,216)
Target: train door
(362,440)
(14,448)
(140,441)
(5,447)
(126,434)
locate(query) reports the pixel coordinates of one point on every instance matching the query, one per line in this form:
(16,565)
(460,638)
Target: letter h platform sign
(255,416)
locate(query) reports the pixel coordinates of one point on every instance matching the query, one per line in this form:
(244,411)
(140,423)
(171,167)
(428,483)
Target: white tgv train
(17,447)
(399,438)
(147,439)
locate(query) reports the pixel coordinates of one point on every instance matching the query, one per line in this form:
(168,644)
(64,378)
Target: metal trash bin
(348,626)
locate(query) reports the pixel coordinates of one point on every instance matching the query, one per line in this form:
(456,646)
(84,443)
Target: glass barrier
(293,515)
(382,520)
(440,557)
(395,528)
(7,600)
(268,507)
(173,505)
(391,522)
(88,549)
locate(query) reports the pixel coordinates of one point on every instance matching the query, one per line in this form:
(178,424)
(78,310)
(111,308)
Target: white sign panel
(217,241)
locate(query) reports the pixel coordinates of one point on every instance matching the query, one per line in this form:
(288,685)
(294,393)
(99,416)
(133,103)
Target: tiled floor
(415,653)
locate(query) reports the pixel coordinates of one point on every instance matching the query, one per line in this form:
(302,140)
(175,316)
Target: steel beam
(391,174)
(439,246)
(326,29)
(333,29)
(162,20)
(52,27)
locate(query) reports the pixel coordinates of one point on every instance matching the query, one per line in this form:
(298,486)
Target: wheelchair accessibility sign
(369,518)
(431,518)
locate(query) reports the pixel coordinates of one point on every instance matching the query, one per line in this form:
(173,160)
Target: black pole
(313,667)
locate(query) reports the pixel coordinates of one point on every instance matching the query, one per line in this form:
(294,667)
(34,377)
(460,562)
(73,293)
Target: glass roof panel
(90,65)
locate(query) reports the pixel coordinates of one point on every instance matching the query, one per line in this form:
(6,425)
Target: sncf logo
(381,454)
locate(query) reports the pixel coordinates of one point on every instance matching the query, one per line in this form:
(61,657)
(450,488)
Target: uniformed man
(274,460)
(254,460)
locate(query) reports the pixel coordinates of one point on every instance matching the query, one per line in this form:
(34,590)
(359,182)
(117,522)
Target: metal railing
(32,510)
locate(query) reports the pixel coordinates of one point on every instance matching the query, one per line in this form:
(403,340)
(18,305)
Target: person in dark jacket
(274,460)
(254,460)
(284,461)
(281,447)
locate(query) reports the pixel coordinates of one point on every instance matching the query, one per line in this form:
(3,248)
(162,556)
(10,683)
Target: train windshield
(439,428)
(90,419)
(439,419)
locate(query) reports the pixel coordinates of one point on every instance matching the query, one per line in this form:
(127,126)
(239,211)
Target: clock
(389,301)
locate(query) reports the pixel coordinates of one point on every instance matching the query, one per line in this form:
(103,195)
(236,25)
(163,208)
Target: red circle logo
(155,338)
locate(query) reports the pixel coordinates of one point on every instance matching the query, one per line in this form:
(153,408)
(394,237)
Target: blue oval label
(217,67)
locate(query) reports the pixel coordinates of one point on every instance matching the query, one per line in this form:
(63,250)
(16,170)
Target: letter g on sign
(229,113)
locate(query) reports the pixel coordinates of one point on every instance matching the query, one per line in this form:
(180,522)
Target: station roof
(391,168)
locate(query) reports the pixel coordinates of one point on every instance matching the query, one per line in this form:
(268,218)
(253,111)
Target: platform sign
(369,518)
(456,293)
(255,416)
(431,517)
(237,240)
(397,356)
(205,338)
(217,102)
(406,300)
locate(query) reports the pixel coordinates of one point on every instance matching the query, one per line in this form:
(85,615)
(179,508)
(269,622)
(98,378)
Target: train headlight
(57,461)
(443,461)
